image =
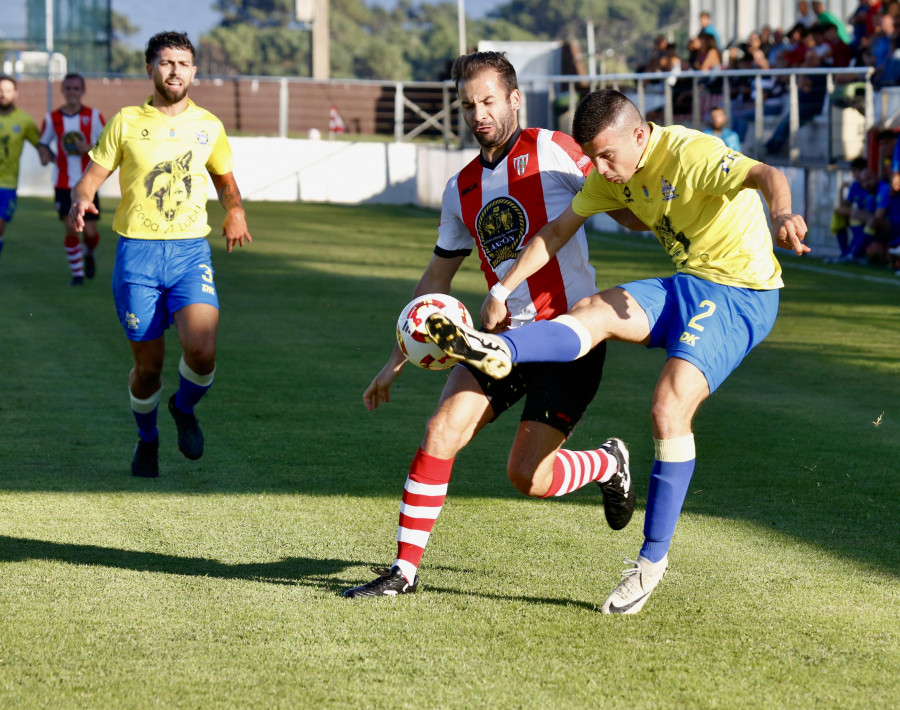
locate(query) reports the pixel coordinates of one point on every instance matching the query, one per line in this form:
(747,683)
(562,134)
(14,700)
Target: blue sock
(144,411)
(191,387)
(1,244)
(559,340)
(669,480)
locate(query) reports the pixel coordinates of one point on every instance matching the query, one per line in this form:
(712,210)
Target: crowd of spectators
(867,218)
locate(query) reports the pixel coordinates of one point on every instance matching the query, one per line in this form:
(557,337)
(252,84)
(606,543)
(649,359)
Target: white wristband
(500,292)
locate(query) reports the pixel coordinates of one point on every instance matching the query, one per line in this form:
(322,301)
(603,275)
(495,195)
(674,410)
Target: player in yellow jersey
(164,150)
(16,127)
(700,199)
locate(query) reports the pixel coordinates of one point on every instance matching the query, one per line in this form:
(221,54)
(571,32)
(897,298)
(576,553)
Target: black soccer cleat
(76,281)
(489,353)
(145,462)
(90,266)
(618,491)
(390,583)
(190,438)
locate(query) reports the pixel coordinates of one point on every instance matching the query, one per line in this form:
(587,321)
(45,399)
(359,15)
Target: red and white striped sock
(75,255)
(574,469)
(423,498)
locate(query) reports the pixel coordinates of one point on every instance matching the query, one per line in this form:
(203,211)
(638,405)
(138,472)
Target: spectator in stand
(850,194)
(869,223)
(805,14)
(881,46)
(707,27)
(860,22)
(765,39)
(756,50)
(717,127)
(793,54)
(778,46)
(657,55)
(811,96)
(824,17)
(839,53)
(710,57)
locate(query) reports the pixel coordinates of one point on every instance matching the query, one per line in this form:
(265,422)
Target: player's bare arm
(789,229)
(437,279)
(83,194)
(628,219)
(542,247)
(235,226)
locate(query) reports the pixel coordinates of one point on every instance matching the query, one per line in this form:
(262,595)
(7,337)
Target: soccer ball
(415,343)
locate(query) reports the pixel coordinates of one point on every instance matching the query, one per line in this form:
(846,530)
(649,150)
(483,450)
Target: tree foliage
(412,40)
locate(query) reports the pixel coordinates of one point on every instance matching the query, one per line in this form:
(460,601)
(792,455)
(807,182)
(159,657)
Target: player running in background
(163,271)
(496,204)
(68,133)
(16,127)
(699,196)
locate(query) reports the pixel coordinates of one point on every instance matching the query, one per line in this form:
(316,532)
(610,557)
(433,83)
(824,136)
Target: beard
(5,105)
(172,97)
(503,128)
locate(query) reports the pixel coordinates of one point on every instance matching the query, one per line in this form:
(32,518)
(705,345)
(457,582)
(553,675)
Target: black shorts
(556,393)
(64,204)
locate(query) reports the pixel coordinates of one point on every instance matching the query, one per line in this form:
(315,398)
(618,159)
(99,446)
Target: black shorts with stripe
(556,393)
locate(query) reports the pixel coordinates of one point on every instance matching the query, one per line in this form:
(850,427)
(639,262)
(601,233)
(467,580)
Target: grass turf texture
(218,584)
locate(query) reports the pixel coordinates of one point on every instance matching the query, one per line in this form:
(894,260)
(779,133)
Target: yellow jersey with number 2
(688,190)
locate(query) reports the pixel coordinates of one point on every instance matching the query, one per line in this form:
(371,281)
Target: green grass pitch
(218,584)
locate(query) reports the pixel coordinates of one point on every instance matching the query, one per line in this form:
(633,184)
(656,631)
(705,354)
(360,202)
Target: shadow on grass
(301,571)
(789,442)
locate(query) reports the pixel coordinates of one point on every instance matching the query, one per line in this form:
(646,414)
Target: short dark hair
(167,40)
(598,111)
(859,164)
(7,77)
(467,66)
(74,75)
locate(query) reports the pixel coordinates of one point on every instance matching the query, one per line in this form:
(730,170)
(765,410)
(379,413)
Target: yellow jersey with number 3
(163,163)
(688,190)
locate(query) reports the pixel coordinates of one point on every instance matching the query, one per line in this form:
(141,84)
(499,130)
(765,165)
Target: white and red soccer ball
(415,343)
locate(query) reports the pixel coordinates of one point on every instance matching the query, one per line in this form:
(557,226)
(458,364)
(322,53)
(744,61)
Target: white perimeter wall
(343,172)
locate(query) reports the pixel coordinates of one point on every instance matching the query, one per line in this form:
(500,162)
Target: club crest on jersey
(520,163)
(668,191)
(501,226)
(728,162)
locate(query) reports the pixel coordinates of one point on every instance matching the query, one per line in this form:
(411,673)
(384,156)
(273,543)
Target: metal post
(282,108)
(48,31)
(398,112)
(759,114)
(794,143)
(695,97)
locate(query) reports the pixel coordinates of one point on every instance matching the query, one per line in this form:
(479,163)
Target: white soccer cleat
(636,585)
(489,353)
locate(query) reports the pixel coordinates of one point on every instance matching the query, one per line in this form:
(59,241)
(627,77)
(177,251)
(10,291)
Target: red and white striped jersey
(59,133)
(499,209)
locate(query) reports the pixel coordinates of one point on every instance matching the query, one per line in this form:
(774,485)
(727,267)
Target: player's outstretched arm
(83,194)
(437,279)
(789,229)
(235,226)
(379,390)
(542,247)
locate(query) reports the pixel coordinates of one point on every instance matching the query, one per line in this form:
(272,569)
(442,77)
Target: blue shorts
(155,278)
(710,325)
(7,203)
